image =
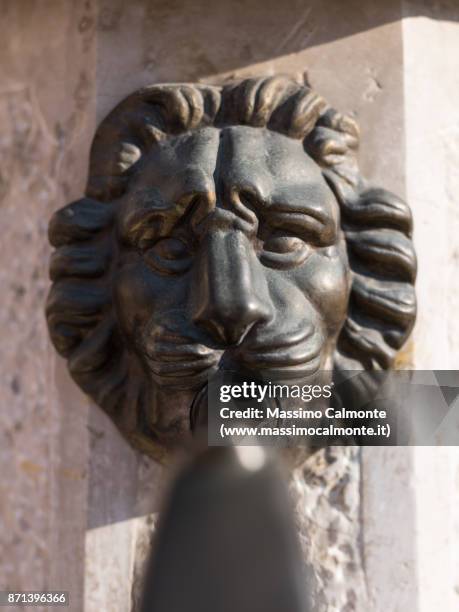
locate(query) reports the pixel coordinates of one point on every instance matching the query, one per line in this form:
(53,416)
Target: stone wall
(47,114)
(77,505)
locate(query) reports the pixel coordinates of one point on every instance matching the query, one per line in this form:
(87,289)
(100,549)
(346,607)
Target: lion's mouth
(179,359)
(299,355)
(171,358)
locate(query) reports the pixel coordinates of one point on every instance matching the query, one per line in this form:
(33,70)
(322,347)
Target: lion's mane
(377,227)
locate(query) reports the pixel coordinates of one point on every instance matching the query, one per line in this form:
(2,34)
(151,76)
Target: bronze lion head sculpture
(224,226)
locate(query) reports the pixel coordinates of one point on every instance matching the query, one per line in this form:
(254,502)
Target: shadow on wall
(180,40)
(222,36)
(122,483)
(186,41)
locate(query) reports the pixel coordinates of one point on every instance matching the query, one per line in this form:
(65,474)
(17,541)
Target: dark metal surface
(226,541)
(224,227)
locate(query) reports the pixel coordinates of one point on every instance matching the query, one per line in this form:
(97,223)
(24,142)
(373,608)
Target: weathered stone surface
(124,489)
(326,493)
(385,517)
(46,115)
(432,179)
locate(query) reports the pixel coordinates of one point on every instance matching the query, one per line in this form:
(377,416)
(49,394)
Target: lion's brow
(303,198)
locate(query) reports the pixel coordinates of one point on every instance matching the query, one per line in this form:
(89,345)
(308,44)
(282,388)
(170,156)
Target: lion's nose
(229,325)
(232,296)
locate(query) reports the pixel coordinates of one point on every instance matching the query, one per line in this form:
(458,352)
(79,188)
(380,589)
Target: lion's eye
(284,252)
(283,244)
(171,248)
(169,256)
